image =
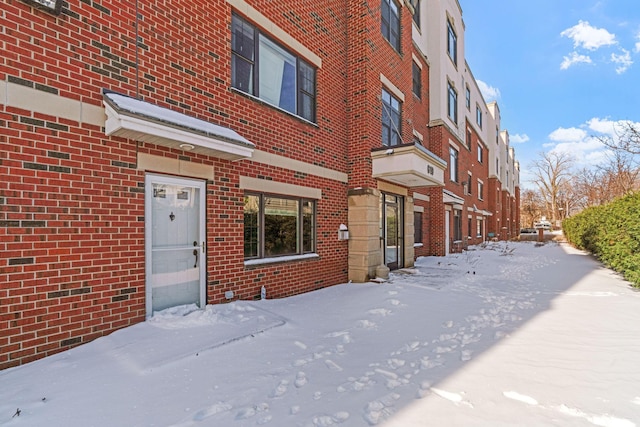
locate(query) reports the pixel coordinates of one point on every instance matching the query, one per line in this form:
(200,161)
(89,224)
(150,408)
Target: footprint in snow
(251,411)
(379,410)
(280,389)
(356,384)
(332,365)
(380,311)
(329,420)
(212,410)
(301,379)
(366,324)
(301,345)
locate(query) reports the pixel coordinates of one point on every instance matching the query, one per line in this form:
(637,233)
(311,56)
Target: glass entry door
(174,242)
(392,230)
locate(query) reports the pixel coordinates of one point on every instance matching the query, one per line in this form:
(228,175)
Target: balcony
(409,165)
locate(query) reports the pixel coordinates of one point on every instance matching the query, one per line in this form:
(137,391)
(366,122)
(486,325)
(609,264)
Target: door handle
(195,253)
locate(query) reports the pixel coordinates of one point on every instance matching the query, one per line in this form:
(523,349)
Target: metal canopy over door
(174,242)
(392,227)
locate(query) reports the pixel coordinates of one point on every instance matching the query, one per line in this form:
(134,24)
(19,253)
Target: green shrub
(612,233)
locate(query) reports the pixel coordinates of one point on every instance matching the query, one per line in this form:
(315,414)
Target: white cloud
(588,37)
(637,48)
(574,58)
(583,142)
(623,61)
(518,139)
(568,135)
(489,93)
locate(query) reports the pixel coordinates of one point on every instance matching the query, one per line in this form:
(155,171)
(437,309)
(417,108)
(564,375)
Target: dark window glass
(417,80)
(390,119)
(390,23)
(278,226)
(262,68)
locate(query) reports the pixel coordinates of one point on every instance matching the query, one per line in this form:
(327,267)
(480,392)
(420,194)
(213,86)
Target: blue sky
(563,71)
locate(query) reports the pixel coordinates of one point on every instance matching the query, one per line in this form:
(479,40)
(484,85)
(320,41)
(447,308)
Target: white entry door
(174,242)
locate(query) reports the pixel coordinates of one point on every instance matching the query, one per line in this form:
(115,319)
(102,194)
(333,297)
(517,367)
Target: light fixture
(187,147)
(51,6)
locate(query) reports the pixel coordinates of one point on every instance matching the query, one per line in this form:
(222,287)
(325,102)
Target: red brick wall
(72,199)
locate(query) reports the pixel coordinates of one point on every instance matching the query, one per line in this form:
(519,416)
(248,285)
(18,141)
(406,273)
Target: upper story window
(480,190)
(390,119)
(390,23)
(479,116)
(497,135)
(468,140)
(452,43)
(417,80)
(265,70)
(453,164)
(452,104)
(467,95)
(480,153)
(416,14)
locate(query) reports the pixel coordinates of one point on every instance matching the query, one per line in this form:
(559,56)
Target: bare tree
(627,138)
(552,172)
(621,171)
(531,207)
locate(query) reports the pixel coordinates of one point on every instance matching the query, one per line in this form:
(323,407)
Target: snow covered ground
(509,334)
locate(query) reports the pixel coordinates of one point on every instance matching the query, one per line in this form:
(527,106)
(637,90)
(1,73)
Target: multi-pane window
(452,104)
(468,185)
(480,190)
(480,154)
(468,140)
(416,13)
(479,116)
(417,80)
(453,164)
(469,229)
(478,228)
(467,95)
(264,69)
(390,119)
(390,23)
(278,226)
(497,135)
(452,43)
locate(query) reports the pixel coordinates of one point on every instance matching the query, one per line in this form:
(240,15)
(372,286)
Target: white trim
(418,135)
(420,196)
(393,88)
(454,145)
(275,187)
(259,261)
(418,208)
(50,104)
(298,166)
(416,60)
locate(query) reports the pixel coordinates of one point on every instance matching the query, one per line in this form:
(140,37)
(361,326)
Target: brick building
(153,157)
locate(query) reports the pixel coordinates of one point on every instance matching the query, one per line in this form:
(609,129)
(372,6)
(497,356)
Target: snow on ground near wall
(507,334)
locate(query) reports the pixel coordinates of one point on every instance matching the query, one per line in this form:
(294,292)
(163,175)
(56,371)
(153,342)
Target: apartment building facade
(481,190)
(153,157)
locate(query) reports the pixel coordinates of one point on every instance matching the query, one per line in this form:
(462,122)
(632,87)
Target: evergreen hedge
(612,233)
